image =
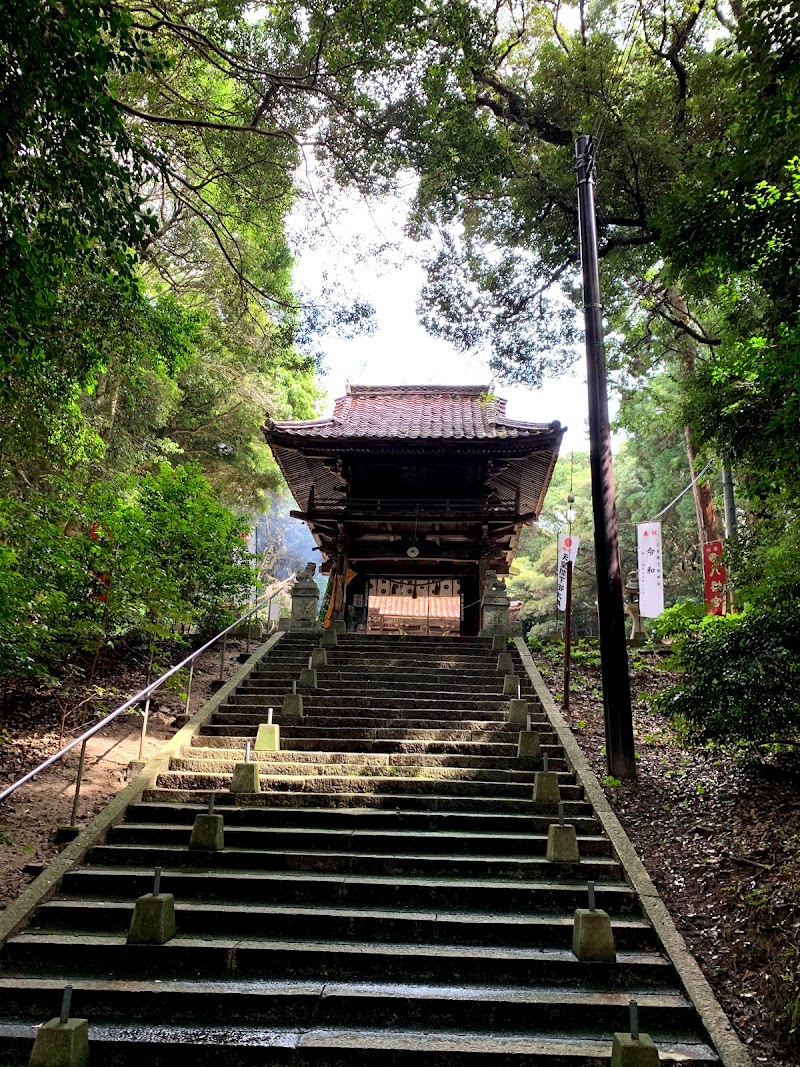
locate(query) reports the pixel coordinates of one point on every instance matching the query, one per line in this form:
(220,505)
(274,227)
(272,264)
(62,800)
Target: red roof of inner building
(433,607)
(424,412)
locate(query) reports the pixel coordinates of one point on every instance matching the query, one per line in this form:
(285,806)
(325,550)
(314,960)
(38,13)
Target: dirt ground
(721,841)
(34,724)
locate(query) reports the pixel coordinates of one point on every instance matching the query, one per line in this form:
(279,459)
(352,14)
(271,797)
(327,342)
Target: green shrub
(741,677)
(138,559)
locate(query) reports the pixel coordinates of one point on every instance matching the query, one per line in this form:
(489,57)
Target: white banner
(651,572)
(567,550)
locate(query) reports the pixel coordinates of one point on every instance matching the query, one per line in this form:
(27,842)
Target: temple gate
(415,492)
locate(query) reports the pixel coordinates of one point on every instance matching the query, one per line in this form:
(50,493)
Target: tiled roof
(407,412)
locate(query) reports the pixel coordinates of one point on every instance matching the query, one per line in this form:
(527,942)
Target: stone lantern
(305,596)
(638,635)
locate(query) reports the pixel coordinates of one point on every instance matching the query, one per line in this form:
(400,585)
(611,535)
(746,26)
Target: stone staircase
(384,899)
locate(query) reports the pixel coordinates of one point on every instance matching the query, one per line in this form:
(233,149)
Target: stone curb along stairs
(384,897)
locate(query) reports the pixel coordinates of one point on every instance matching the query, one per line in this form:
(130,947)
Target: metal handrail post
(189,688)
(223,650)
(78,781)
(143,734)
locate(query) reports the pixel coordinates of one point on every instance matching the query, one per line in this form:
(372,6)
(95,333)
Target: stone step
(348,739)
(302,1003)
(334,698)
(351,819)
(403,680)
(305,758)
(296,922)
(382,800)
(434,718)
(545,895)
(356,842)
(493,733)
(364,682)
(208,1045)
(234,740)
(279,959)
(431,767)
(363,690)
(358,860)
(468,784)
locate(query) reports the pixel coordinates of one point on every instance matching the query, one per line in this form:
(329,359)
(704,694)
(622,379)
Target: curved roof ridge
(416,412)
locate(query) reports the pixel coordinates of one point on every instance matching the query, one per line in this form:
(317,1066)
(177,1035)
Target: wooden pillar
(340,588)
(470,599)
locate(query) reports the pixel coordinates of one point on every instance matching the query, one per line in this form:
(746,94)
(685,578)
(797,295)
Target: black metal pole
(568,636)
(613,650)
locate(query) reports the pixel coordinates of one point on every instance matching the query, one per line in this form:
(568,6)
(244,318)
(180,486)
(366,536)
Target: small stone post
(510,685)
(208,832)
(62,1042)
(505,663)
(562,841)
(308,678)
(592,936)
(529,745)
(268,737)
(518,710)
(293,705)
(153,919)
(546,790)
(245,776)
(634,1049)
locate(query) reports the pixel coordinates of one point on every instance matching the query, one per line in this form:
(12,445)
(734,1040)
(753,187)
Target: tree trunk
(705,514)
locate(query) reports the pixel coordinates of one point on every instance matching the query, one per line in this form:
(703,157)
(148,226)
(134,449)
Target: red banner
(714,577)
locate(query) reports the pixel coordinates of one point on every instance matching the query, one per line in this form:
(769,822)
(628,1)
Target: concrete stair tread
(439,950)
(514,825)
(435,882)
(428,802)
(508,761)
(101,854)
(480,993)
(353,833)
(276,768)
(187,812)
(516,919)
(560,1048)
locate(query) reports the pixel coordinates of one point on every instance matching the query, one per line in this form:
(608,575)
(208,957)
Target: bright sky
(363,250)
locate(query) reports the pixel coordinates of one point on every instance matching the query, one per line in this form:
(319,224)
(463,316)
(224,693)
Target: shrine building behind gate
(415,494)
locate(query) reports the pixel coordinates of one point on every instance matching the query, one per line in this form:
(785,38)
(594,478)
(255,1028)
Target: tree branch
(201,124)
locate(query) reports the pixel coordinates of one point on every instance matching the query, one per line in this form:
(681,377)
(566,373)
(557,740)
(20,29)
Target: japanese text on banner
(715,577)
(651,569)
(567,550)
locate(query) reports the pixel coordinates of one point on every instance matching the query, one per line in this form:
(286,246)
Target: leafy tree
(70,170)
(140,558)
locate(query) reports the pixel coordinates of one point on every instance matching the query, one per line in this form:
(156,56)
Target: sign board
(274,611)
(651,569)
(567,550)
(715,577)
